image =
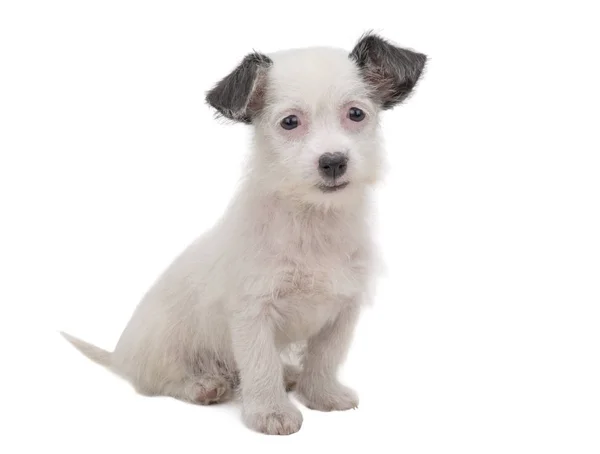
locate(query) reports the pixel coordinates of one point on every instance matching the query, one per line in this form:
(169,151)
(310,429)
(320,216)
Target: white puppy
(291,260)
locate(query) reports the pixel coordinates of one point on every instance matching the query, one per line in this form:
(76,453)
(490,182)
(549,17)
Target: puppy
(291,261)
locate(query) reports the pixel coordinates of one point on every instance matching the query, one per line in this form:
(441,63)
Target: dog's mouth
(333,188)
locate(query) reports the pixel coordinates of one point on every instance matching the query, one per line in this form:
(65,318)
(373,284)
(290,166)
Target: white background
(484,336)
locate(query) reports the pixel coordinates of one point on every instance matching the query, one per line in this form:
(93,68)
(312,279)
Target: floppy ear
(391,71)
(239,95)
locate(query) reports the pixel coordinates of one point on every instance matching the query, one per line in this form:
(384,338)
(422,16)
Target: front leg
(266,406)
(318,386)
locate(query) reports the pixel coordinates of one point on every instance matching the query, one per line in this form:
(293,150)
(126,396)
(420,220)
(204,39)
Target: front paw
(332,396)
(283,420)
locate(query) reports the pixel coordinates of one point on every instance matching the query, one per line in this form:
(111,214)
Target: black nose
(333,165)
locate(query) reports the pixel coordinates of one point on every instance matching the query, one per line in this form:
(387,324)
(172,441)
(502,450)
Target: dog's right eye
(290,122)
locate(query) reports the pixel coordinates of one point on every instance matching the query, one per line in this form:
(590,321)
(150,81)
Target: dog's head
(315,113)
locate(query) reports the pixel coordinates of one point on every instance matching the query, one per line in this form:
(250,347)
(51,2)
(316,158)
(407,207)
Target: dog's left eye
(356,114)
(290,122)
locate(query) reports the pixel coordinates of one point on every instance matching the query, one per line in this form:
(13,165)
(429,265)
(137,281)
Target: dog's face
(315,113)
(318,124)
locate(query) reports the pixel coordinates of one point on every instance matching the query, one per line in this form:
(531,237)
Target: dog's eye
(356,114)
(290,122)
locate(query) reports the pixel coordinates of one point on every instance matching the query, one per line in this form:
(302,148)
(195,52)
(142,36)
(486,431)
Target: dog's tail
(94,353)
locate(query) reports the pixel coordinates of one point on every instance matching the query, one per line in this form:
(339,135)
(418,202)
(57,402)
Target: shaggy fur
(291,261)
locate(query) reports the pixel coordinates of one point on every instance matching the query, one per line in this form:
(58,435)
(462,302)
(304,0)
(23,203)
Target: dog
(291,263)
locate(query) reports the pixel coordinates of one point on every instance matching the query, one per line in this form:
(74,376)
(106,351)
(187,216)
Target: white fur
(286,265)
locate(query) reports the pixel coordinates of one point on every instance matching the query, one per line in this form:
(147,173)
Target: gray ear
(239,95)
(391,71)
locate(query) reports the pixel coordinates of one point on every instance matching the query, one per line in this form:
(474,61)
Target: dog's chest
(303,265)
(307,298)
(313,278)
(328,276)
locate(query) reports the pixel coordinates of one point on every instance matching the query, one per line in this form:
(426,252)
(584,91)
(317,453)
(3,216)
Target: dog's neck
(281,223)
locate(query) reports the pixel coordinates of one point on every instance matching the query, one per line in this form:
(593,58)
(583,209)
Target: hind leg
(203,390)
(212,389)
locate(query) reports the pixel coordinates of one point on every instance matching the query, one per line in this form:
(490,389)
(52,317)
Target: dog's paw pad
(290,376)
(208,391)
